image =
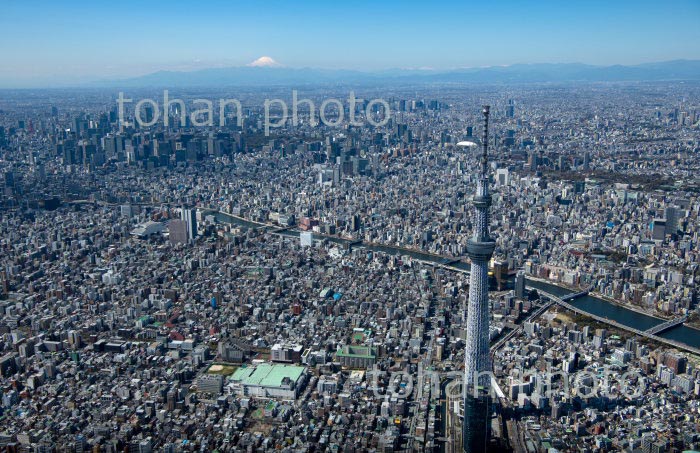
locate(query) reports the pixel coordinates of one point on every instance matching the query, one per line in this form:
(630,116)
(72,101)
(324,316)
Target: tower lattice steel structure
(477,361)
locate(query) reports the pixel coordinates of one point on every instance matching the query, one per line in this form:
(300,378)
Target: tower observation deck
(477,364)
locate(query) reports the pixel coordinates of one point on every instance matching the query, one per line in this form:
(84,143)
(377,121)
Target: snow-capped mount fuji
(265,71)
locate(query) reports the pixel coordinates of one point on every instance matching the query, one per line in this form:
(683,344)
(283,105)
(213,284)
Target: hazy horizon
(106,42)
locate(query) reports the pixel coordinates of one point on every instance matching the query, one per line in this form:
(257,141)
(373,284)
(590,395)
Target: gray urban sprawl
(188,288)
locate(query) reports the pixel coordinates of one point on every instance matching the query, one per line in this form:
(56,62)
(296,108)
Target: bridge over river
(672,332)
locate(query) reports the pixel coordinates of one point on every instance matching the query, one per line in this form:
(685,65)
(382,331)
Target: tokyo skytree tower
(477,362)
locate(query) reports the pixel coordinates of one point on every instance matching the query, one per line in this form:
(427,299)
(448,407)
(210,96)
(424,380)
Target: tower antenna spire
(485,142)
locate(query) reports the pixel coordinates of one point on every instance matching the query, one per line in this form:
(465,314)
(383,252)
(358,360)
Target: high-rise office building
(306,238)
(477,361)
(189,216)
(502,177)
(177,230)
(671,214)
(510,109)
(520,285)
(658,229)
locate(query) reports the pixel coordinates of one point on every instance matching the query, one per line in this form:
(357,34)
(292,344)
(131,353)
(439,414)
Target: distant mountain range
(518,73)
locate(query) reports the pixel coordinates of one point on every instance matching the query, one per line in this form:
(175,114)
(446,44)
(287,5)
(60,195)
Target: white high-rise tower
(477,362)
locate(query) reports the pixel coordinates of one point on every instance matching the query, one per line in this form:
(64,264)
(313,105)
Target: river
(589,304)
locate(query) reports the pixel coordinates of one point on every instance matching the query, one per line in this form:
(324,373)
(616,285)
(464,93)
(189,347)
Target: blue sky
(73,41)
